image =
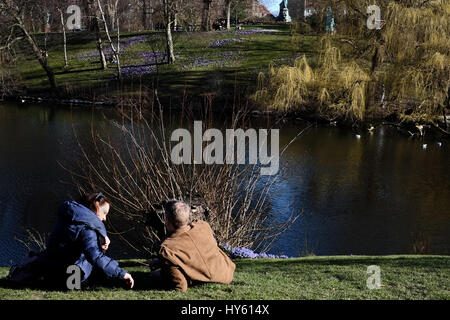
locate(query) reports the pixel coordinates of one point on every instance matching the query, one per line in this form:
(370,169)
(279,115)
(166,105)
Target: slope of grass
(334,277)
(234,63)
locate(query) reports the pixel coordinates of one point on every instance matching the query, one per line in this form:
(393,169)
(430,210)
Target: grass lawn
(206,62)
(339,277)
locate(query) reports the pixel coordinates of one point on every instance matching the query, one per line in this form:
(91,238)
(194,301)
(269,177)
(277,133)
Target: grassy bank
(340,277)
(206,62)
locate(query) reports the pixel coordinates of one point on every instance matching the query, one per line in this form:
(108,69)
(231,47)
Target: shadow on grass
(78,71)
(143,282)
(6,284)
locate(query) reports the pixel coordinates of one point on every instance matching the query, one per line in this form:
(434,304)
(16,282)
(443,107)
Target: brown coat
(191,254)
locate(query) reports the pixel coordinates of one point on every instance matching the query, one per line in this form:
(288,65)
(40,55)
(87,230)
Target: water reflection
(372,195)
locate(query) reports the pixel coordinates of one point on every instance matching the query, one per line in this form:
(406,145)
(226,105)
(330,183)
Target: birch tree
(113,48)
(169,9)
(92,24)
(231,5)
(228,9)
(66,62)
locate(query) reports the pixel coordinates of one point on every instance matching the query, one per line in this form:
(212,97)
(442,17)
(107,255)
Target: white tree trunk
(66,63)
(118,34)
(228,14)
(171,55)
(114,50)
(99,44)
(168,11)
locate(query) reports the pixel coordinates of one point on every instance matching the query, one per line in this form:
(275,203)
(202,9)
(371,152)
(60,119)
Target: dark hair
(88,200)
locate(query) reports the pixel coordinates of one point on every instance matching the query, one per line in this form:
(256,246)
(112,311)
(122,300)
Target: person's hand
(129,280)
(106,245)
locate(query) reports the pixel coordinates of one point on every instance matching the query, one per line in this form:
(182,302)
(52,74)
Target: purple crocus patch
(225,59)
(150,56)
(131,71)
(250,254)
(223,42)
(124,45)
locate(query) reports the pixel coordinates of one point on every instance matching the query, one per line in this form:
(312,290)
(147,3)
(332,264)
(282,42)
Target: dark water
(379,194)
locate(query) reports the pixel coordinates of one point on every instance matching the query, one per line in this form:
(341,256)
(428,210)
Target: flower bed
(237,253)
(124,45)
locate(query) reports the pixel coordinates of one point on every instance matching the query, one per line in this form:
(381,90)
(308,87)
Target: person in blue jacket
(79,238)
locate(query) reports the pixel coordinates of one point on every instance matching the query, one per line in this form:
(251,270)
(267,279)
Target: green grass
(335,277)
(248,57)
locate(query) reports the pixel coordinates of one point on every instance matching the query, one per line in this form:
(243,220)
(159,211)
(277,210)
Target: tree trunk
(118,34)
(168,25)
(206,23)
(111,6)
(32,22)
(41,58)
(175,22)
(144,14)
(171,55)
(92,25)
(34,47)
(228,14)
(90,13)
(100,45)
(66,63)
(116,55)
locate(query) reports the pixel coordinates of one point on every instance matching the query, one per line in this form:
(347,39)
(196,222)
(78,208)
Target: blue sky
(272,5)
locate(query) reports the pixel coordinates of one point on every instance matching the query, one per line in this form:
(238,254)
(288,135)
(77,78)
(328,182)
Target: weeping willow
(335,86)
(409,57)
(418,40)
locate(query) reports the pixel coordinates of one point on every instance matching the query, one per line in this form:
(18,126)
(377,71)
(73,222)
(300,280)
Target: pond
(376,193)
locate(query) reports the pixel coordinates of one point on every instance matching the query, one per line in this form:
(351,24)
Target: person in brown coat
(190,253)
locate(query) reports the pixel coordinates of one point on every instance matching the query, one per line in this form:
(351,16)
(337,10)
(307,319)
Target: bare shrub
(35,241)
(132,166)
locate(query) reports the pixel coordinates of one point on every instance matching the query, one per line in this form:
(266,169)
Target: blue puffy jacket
(75,241)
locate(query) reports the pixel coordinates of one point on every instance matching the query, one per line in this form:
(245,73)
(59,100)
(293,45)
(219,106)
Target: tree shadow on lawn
(78,70)
(178,83)
(41,75)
